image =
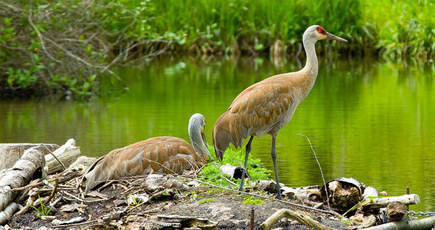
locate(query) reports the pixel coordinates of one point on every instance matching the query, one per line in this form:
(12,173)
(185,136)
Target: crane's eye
(321,30)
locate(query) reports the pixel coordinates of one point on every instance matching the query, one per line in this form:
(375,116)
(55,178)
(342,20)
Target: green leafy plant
(211,173)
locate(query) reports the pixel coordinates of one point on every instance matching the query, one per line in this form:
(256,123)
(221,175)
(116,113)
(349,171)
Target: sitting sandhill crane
(267,106)
(157,154)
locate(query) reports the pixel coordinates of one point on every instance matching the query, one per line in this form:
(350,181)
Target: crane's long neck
(309,72)
(312,65)
(197,140)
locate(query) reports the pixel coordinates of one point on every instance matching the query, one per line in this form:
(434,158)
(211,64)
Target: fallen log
(11,152)
(382,202)
(29,166)
(62,157)
(6,214)
(278,215)
(426,223)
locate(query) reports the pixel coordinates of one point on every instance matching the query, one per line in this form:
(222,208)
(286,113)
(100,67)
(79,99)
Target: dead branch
(55,157)
(61,158)
(426,223)
(41,39)
(407,199)
(30,201)
(53,192)
(306,220)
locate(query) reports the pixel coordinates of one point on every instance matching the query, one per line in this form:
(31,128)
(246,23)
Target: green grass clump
(211,173)
(43,210)
(250,200)
(206,200)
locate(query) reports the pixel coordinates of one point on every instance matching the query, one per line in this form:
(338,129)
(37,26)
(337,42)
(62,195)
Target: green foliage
(45,45)
(211,173)
(43,211)
(131,19)
(405,29)
(46,50)
(250,200)
(134,201)
(203,201)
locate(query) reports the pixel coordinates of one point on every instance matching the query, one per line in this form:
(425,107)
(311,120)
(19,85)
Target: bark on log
(396,211)
(24,170)
(278,215)
(66,154)
(384,201)
(11,152)
(426,223)
(8,212)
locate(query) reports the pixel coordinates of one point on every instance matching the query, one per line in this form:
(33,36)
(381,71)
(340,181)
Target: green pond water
(369,120)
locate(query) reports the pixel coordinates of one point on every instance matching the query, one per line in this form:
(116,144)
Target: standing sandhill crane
(268,105)
(157,154)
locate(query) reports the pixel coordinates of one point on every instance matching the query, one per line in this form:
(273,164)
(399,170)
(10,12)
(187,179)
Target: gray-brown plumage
(158,154)
(267,106)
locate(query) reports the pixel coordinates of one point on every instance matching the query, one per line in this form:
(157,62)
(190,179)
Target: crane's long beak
(331,36)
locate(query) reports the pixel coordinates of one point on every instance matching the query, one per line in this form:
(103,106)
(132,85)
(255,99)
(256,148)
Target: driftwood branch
(6,214)
(62,157)
(278,215)
(407,199)
(426,223)
(19,175)
(12,152)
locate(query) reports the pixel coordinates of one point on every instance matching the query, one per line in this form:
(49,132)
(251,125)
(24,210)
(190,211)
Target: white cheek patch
(320,36)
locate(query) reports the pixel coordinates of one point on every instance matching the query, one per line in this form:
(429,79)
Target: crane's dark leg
(248,149)
(273,153)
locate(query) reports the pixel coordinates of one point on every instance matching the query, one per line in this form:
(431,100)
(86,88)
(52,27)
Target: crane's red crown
(321,30)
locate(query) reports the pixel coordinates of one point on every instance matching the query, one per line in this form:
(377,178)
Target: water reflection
(369,120)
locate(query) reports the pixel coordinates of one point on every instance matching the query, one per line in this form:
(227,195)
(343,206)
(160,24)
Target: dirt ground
(172,206)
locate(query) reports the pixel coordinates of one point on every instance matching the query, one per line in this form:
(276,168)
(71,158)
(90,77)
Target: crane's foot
(278,196)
